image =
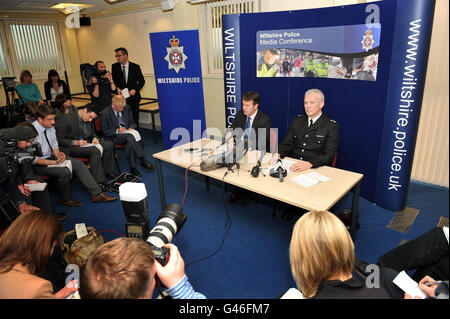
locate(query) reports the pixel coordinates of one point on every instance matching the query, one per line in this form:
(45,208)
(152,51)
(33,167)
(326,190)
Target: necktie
(247,128)
(120,120)
(310,122)
(124,73)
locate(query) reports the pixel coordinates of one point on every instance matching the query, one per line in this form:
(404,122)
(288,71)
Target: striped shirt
(183,290)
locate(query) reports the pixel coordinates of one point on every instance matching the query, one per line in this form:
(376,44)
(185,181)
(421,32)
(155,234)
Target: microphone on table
(256,168)
(278,171)
(213,162)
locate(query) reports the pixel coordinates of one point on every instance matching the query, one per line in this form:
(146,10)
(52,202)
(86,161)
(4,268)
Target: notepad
(98,145)
(408,285)
(66,163)
(125,93)
(133,132)
(36,187)
(309,179)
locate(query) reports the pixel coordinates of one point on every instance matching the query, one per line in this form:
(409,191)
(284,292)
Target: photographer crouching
(16,174)
(102,86)
(125,268)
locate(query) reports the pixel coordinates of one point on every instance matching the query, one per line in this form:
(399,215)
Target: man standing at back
(128,75)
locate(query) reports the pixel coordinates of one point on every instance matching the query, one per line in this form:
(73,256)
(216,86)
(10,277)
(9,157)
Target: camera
(88,71)
(10,155)
(169,223)
(134,202)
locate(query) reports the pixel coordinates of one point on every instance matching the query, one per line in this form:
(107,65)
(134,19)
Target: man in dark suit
(312,138)
(128,75)
(251,123)
(75,130)
(117,125)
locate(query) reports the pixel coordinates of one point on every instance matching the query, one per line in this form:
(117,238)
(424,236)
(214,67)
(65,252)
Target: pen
(438,282)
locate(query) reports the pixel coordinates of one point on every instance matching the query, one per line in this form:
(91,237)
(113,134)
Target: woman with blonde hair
(322,259)
(25,249)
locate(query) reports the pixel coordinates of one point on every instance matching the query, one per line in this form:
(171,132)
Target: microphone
(212,163)
(278,171)
(255,169)
(280,174)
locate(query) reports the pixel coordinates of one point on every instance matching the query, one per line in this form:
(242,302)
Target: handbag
(78,250)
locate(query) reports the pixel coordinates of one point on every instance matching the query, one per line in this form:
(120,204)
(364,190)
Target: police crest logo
(367,41)
(175,56)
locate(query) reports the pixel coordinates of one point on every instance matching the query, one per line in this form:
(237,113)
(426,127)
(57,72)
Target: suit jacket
(18,283)
(261,121)
(349,289)
(317,144)
(135,81)
(109,123)
(68,129)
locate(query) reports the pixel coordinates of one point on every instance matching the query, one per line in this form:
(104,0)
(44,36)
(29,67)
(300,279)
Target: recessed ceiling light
(68,8)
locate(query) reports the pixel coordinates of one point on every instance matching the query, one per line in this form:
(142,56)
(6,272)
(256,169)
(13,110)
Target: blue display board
(178,76)
(381,49)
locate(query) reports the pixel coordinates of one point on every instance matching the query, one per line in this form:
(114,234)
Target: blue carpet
(254,260)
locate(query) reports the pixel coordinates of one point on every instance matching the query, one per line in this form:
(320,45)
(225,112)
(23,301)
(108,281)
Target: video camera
(10,155)
(134,202)
(88,71)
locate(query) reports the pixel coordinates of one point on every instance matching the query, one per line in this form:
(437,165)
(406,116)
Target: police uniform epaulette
(333,121)
(301,115)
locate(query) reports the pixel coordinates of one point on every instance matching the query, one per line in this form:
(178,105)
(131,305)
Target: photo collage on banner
(351,53)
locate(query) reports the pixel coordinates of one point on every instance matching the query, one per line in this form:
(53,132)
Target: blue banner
(412,35)
(178,76)
(232,66)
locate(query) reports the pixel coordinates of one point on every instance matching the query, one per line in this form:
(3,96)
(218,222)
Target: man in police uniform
(313,138)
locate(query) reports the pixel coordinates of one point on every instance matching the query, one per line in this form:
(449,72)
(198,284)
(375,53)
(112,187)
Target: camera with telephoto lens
(10,155)
(169,223)
(88,71)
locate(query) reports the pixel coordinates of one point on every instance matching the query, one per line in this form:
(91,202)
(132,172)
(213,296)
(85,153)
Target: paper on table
(98,145)
(318,176)
(305,180)
(125,93)
(135,133)
(36,187)
(408,285)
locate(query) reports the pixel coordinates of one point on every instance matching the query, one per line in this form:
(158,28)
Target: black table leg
(162,193)
(355,209)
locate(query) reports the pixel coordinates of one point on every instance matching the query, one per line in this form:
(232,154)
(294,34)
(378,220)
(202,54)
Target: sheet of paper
(66,163)
(293,293)
(135,133)
(408,285)
(98,145)
(304,180)
(319,177)
(37,187)
(125,93)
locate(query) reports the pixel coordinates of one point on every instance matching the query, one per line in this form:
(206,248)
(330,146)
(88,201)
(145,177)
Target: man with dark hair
(101,91)
(251,123)
(128,75)
(53,162)
(76,137)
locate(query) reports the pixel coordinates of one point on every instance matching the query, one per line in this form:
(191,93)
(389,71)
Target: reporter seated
(125,268)
(322,258)
(25,249)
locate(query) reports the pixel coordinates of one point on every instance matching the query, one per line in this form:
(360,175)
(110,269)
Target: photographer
(102,86)
(125,268)
(15,185)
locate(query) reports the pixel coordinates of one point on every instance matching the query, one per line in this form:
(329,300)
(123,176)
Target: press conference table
(321,196)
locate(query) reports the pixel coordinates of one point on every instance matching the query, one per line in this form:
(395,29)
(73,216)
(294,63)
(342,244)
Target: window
(33,45)
(214,12)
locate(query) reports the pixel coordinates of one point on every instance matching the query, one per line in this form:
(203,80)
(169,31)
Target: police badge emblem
(175,56)
(367,41)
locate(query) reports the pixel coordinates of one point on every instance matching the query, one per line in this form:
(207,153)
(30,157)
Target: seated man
(313,138)
(117,125)
(125,268)
(45,119)
(75,130)
(251,123)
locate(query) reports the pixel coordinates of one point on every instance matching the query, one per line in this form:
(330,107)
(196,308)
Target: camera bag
(77,251)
